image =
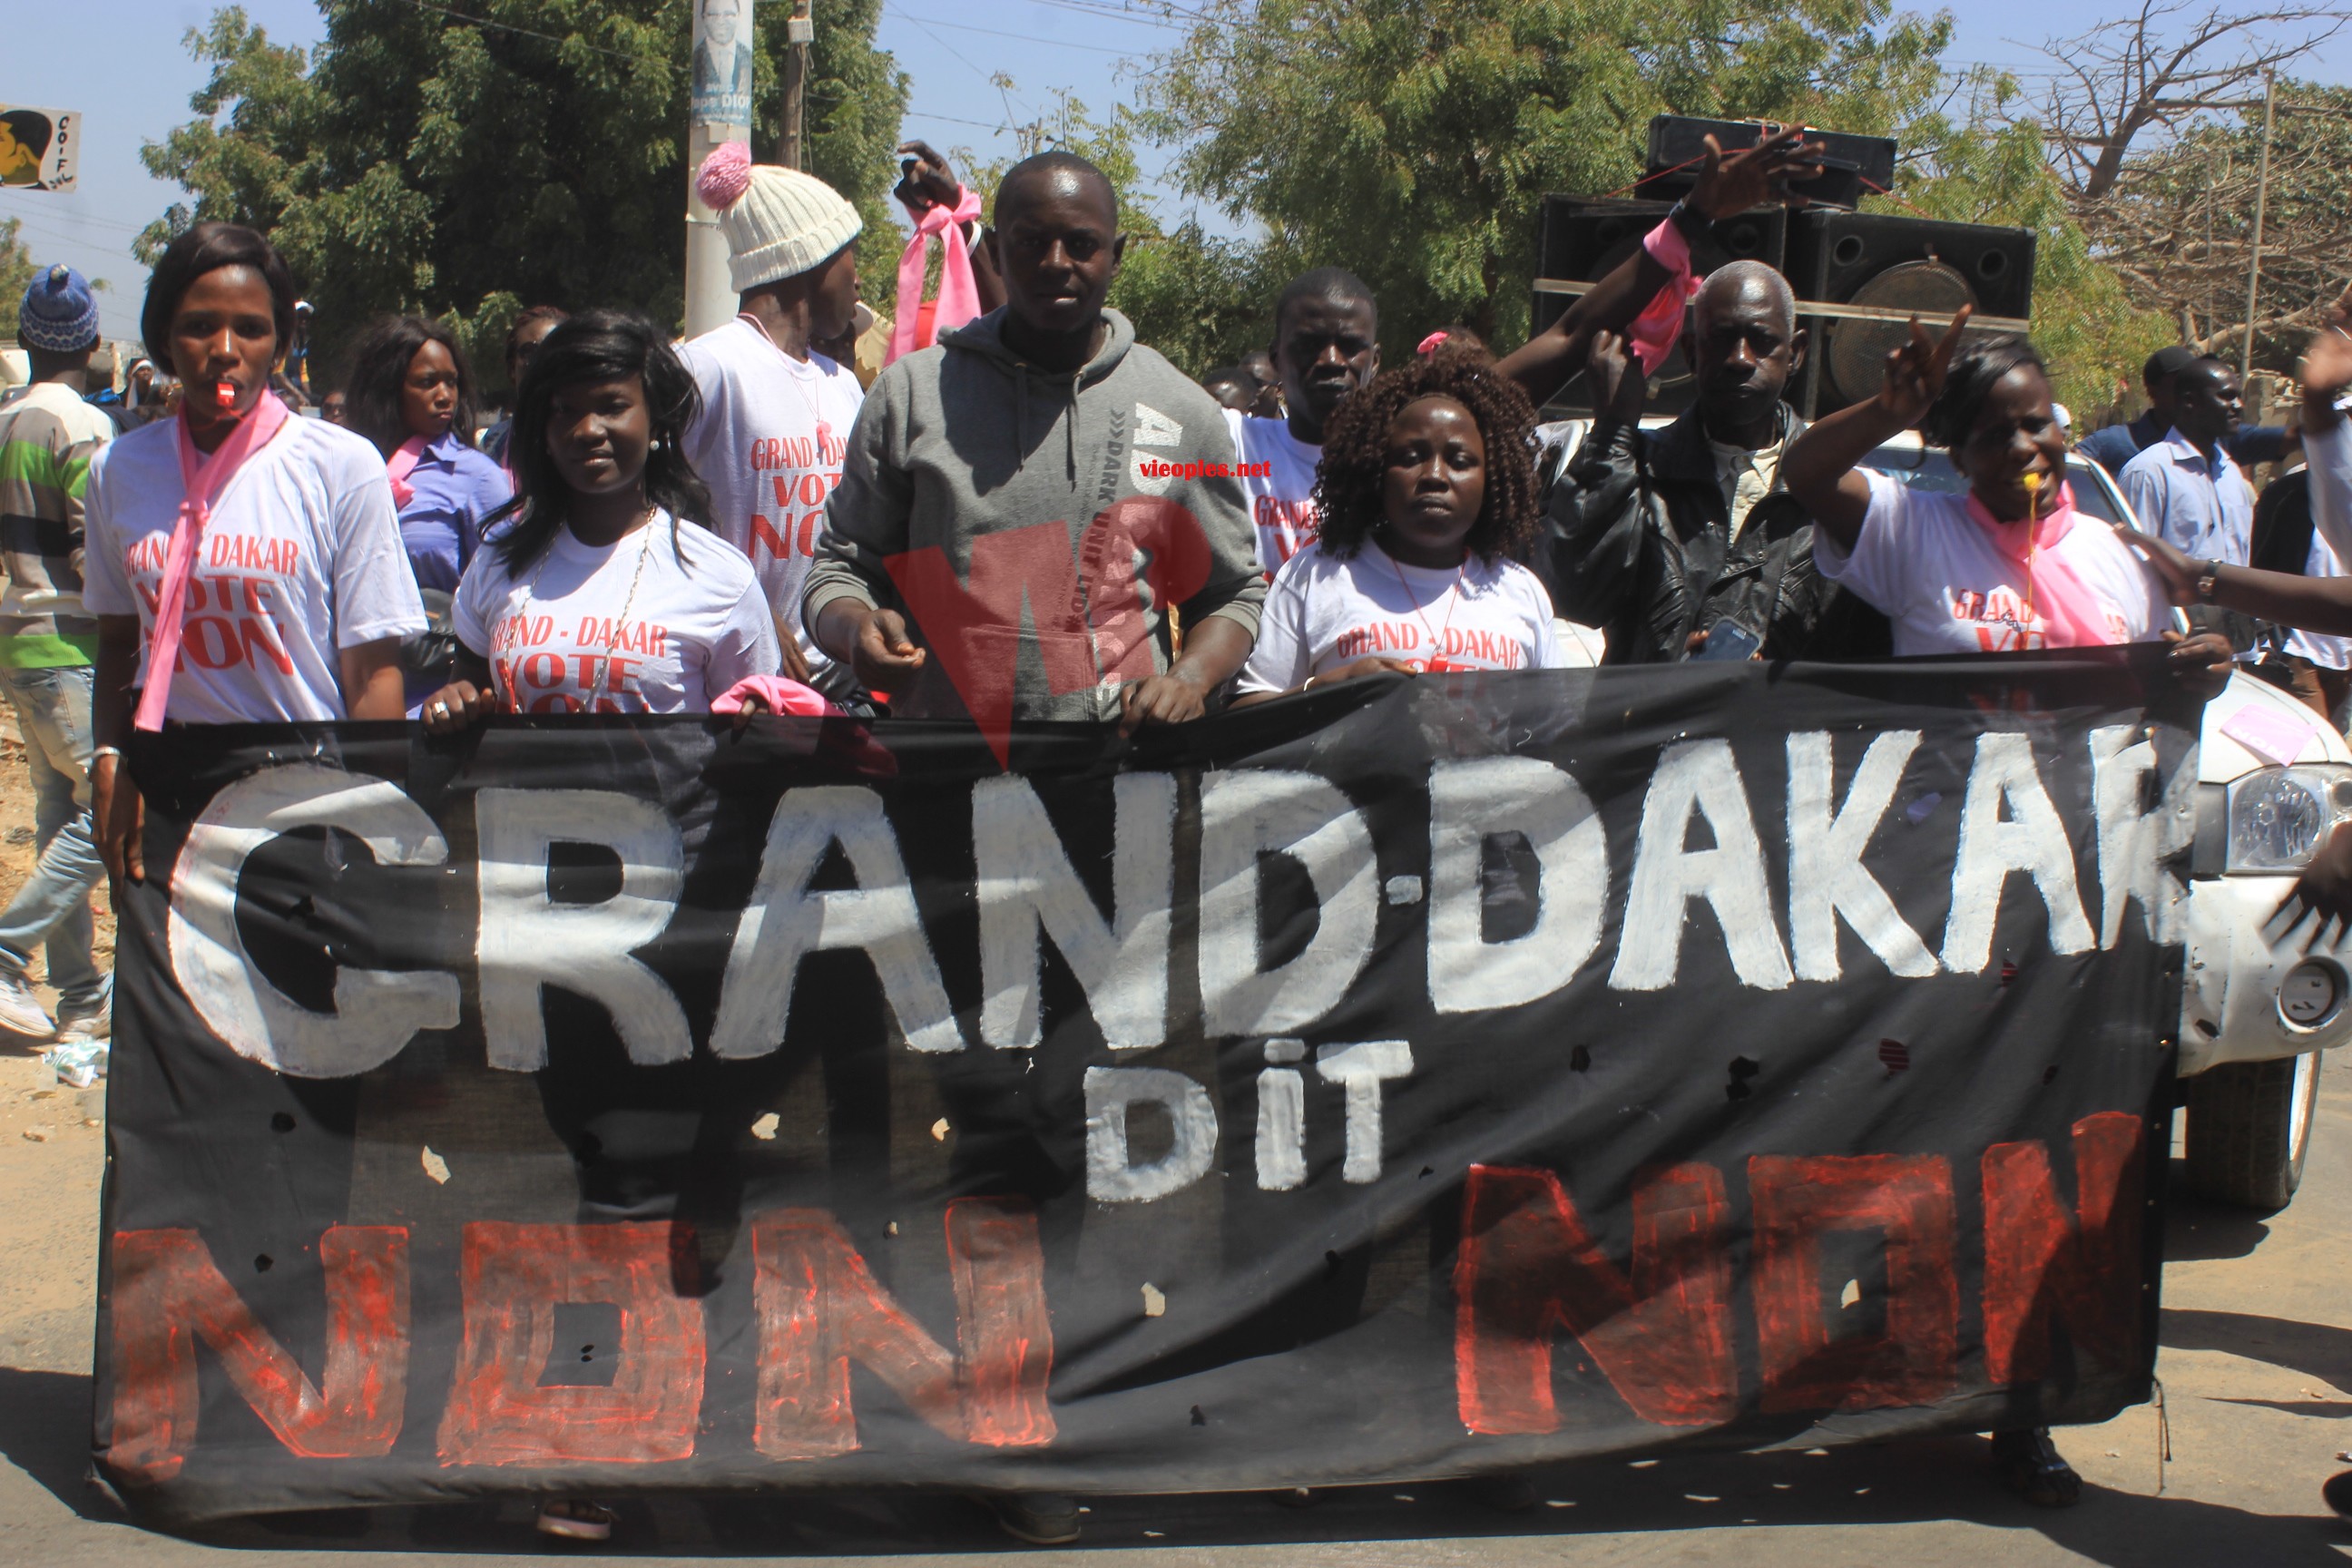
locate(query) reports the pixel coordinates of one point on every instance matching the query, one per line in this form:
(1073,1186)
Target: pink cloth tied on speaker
(959,295)
(202,481)
(779,694)
(2071,614)
(1654,331)
(399,466)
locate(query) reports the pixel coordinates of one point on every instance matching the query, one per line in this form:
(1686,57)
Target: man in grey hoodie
(1025,504)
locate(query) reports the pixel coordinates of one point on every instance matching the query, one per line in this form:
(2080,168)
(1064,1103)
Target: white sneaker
(21,1012)
(90,1021)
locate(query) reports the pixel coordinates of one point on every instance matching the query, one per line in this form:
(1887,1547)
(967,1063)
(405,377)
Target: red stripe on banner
(1908,1199)
(2044,1260)
(169,1293)
(513,1279)
(1527,1267)
(820,1309)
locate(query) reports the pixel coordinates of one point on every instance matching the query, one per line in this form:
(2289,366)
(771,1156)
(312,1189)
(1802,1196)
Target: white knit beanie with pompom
(777,222)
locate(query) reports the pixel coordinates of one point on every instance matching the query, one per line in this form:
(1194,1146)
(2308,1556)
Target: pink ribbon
(399,466)
(1428,345)
(1653,332)
(2072,615)
(780,694)
(202,481)
(959,295)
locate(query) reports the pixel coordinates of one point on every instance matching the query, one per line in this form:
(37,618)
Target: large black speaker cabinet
(1582,241)
(1895,264)
(1852,167)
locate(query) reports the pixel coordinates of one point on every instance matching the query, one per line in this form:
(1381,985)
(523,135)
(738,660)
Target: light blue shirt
(2205,509)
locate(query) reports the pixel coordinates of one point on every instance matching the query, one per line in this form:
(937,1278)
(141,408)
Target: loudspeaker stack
(1858,277)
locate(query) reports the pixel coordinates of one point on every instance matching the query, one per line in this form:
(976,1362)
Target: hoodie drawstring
(1070,425)
(1020,411)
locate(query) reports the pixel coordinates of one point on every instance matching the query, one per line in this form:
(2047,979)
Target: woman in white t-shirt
(2008,566)
(1426,493)
(590,595)
(292,592)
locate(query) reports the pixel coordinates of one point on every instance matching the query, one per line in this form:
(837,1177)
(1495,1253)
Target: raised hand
(1615,377)
(925,180)
(1916,370)
(2326,370)
(1754,176)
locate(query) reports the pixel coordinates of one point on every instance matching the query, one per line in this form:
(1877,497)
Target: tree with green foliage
(16,269)
(1989,164)
(1413,141)
(524,152)
(1201,299)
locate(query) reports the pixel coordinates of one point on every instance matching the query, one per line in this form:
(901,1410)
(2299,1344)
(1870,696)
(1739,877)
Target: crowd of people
(721,525)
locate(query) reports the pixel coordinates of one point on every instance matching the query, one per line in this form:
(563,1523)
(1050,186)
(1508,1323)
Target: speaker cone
(1856,352)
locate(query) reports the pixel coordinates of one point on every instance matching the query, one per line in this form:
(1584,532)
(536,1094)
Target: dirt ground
(2257,1369)
(51,1136)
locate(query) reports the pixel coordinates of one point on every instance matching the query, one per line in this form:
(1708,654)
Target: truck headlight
(2280,817)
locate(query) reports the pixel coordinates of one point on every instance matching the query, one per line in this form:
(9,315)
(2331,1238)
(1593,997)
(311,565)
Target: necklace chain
(644,532)
(1453,603)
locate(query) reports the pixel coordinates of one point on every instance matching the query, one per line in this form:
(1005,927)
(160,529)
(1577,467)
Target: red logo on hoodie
(1090,607)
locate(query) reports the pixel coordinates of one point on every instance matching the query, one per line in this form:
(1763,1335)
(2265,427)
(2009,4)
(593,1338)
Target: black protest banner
(1406,1080)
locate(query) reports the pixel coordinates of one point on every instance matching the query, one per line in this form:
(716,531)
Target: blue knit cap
(59,313)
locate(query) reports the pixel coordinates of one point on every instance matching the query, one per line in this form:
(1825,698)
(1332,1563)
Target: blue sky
(120,62)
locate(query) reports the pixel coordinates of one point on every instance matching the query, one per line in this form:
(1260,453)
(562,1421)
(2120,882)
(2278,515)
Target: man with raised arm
(1684,540)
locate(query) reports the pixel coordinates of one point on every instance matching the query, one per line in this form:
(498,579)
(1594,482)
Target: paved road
(2256,1363)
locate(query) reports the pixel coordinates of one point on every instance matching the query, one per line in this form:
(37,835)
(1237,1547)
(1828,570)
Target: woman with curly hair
(589,595)
(1428,500)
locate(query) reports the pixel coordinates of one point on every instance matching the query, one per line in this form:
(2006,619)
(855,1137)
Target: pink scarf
(2072,615)
(1653,334)
(202,481)
(399,466)
(959,296)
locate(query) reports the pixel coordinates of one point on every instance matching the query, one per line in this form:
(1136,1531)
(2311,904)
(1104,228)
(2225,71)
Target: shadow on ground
(2317,1350)
(2197,1232)
(1894,1484)
(45,1432)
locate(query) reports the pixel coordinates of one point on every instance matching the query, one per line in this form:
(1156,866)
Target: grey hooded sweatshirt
(1034,526)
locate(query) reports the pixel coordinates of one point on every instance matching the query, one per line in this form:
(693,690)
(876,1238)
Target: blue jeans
(53,906)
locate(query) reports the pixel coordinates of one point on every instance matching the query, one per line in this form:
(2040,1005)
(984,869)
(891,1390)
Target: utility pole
(719,111)
(799,31)
(2261,201)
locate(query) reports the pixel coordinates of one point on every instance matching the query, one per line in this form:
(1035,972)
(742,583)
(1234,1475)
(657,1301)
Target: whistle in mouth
(2033,493)
(225,394)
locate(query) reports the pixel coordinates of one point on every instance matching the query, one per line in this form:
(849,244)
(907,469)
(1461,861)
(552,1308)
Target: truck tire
(2248,1130)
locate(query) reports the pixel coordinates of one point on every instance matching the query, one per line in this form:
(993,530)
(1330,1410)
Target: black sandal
(2030,1465)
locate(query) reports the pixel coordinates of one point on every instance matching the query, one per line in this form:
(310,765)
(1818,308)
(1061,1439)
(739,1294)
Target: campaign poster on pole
(40,147)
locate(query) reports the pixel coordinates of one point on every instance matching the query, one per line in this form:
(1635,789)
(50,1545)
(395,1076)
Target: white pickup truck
(2256,1007)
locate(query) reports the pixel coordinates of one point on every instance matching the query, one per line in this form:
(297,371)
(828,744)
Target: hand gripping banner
(1412,1079)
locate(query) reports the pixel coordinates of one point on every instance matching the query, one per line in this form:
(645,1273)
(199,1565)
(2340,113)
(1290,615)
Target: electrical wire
(995,33)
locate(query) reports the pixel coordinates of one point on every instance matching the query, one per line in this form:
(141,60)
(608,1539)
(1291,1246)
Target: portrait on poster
(38,147)
(722,62)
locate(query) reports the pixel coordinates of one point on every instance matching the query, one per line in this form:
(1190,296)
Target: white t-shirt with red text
(660,622)
(1277,472)
(301,558)
(1925,564)
(1323,612)
(768,444)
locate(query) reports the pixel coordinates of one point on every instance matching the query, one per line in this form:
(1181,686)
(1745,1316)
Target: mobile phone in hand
(1728,639)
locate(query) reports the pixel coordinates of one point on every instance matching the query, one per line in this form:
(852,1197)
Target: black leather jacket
(1638,543)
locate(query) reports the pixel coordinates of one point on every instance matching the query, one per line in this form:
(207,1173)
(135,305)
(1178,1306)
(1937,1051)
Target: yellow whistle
(2032,494)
